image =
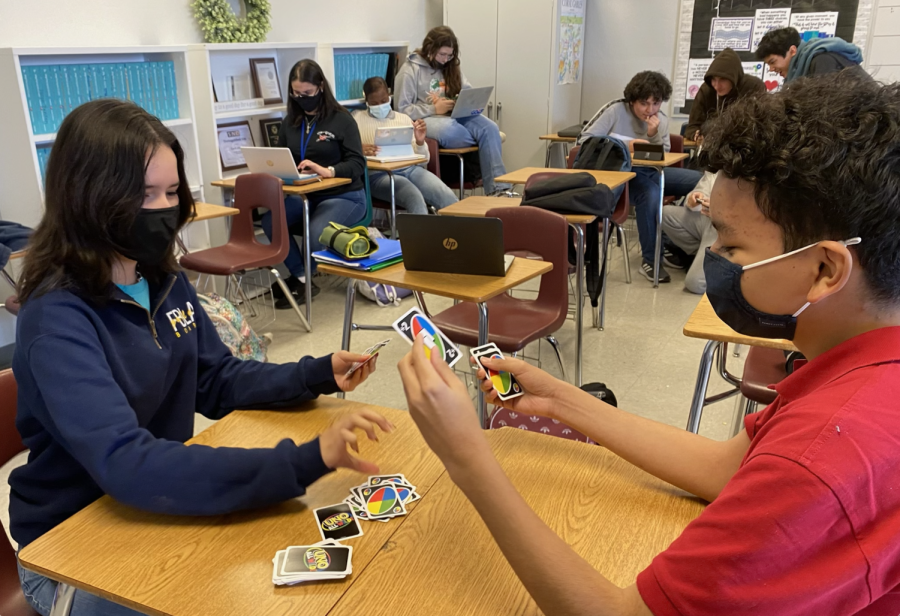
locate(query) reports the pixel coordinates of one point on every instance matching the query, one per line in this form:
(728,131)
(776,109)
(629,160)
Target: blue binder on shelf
(171,90)
(388,250)
(31,97)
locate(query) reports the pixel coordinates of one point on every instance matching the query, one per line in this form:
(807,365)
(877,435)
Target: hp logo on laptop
(270,163)
(451,244)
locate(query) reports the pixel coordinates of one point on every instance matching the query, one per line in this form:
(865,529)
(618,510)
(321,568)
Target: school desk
(461,287)
(704,323)
(554,139)
(479,207)
(458,153)
(227,187)
(390,168)
(438,559)
(660,165)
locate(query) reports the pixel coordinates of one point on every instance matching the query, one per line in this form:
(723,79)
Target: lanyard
(305,143)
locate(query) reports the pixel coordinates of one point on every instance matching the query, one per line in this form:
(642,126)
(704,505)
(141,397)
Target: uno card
(413,322)
(337,522)
(316,559)
(383,502)
(375,480)
(506,385)
(372,351)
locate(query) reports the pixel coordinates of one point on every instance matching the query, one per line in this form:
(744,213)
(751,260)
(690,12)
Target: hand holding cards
(414,322)
(505,383)
(372,351)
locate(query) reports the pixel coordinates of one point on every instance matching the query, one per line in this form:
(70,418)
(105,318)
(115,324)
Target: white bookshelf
(20,176)
(327,52)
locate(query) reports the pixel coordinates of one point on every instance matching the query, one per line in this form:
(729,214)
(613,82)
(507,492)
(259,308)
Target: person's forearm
(689,461)
(558,579)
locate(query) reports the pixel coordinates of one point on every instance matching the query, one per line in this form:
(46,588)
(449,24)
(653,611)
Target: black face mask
(150,240)
(308,103)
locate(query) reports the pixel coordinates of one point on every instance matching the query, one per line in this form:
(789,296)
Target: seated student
(324,139)
(114,354)
(786,55)
(638,117)
(414,187)
(691,230)
(427,86)
(804,514)
(724,83)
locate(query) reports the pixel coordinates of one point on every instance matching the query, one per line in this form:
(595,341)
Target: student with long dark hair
(427,86)
(114,354)
(324,139)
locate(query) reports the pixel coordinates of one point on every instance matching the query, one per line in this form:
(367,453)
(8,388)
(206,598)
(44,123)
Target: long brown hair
(93,192)
(442,36)
(309,71)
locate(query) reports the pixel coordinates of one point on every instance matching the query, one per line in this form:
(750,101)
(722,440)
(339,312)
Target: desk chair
(503,418)
(762,367)
(515,323)
(12,601)
(243,252)
(460,154)
(433,166)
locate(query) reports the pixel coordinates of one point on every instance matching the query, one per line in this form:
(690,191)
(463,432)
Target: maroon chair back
(546,234)
(12,601)
(505,418)
(763,367)
(573,154)
(434,162)
(676,143)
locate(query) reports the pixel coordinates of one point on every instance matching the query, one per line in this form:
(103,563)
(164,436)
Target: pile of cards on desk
(326,560)
(381,498)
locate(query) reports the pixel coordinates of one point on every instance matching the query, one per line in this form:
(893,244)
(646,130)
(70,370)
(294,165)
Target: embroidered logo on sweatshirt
(324,135)
(184,320)
(437,86)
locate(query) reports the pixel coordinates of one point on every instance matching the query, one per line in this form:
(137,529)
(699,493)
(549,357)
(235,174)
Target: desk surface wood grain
(672,158)
(612,179)
(294,190)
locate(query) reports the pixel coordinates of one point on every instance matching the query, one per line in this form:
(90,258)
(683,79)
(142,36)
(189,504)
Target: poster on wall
(571,41)
(769,19)
(697,68)
(734,32)
(815,25)
(757,69)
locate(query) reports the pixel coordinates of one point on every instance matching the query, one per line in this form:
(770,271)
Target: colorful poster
(757,69)
(734,32)
(815,25)
(697,68)
(772,80)
(769,19)
(571,40)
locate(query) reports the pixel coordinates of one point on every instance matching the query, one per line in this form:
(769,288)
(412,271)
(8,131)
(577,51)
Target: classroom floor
(641,355)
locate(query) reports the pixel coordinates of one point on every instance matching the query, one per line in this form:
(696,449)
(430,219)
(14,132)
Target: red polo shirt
(810,523)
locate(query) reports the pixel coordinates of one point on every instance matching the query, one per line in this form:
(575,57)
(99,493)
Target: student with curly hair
(804,513)
(638,117)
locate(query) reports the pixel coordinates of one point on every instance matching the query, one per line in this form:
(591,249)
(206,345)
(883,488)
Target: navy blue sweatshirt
(107,396)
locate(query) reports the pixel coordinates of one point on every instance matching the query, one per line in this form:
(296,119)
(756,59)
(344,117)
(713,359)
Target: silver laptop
(274,161)
(395,144)
(471,102)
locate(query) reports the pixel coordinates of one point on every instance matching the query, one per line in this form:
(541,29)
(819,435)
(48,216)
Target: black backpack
(603,153)
(602,392)
(574,193)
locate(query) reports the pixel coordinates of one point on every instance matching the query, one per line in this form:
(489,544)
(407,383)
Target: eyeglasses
(443,57)
(299,96)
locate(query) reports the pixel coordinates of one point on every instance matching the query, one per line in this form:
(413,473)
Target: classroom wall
(883,59)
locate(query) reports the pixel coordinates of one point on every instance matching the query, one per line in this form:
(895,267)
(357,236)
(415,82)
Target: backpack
(602,392)
(381,294)
(603,153)
(234,331)
(575,193)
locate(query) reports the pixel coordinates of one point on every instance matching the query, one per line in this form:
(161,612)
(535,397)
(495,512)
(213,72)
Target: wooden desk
(465,288)
(227,187)
(389,168)
(458,152)
(672,158)
(688,143)
(444,561)
(705,324)
(210,211)
(174,566)
(479,207)
(612,179)
(555,139)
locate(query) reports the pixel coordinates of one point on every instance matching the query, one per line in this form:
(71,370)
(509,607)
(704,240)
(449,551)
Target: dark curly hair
(777,43)
(648,85)
(823,156)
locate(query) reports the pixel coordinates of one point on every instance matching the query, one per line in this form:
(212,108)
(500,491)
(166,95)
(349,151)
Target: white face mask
(380,111)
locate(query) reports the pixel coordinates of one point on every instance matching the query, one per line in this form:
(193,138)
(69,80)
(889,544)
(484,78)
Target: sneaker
(299,293)
(674,258)
(647,271)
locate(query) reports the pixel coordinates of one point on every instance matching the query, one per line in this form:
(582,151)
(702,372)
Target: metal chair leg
(621,233)
(290,298)
(244,299)
(736,352)
(562,366)
(746,407)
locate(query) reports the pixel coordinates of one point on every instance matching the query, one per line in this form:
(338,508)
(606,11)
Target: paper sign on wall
(815,25)
(571,41)
(734,32)
(697,68)
(757,69)
(769,19)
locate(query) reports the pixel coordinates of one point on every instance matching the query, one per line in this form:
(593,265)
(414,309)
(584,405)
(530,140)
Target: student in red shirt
(804,514)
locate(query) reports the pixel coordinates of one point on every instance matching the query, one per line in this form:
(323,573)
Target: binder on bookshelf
(31,97)
(172,88)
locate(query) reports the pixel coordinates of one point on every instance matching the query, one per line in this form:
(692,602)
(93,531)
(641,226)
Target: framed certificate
(265,80)
(231,138)
(270,129)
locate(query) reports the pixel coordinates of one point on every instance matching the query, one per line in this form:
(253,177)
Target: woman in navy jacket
(114,354)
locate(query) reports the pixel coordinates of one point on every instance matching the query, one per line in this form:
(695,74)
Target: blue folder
(387,250)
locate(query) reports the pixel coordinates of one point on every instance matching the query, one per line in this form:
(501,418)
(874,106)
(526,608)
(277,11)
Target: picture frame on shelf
(264,73)
(270,129)
(232,137)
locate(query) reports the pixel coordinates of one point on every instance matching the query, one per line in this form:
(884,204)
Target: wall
(883,58)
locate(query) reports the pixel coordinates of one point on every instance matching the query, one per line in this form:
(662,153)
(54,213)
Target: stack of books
(388,253)
(52,91)
(351,71)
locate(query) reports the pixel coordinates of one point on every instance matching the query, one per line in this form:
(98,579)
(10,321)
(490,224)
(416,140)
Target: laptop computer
(275,161)
(471,102)
(452,245)
(395,144)
(648,151)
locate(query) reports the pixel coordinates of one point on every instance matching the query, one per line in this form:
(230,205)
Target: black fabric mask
(150,240)
(309,103)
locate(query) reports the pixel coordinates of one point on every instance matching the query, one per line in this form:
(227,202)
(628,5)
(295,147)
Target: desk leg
(579,301)
(228,197)
(604,270)
(706,362)
(483,418)
(393,208)
(547,157)
(63,600)
(349,304)
(307,261)
(657,258)
(462,178)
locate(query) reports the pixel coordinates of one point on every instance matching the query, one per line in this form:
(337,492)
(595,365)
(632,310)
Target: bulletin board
(708,26)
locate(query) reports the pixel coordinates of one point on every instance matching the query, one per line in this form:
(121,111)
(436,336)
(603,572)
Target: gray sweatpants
(693,233)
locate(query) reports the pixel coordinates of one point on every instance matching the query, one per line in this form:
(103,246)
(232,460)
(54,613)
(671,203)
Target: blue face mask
(380,111)
(723,287)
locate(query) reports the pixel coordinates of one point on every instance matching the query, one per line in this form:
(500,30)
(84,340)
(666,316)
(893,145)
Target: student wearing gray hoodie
(427,86)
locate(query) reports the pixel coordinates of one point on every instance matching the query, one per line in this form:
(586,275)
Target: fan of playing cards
(382,497)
